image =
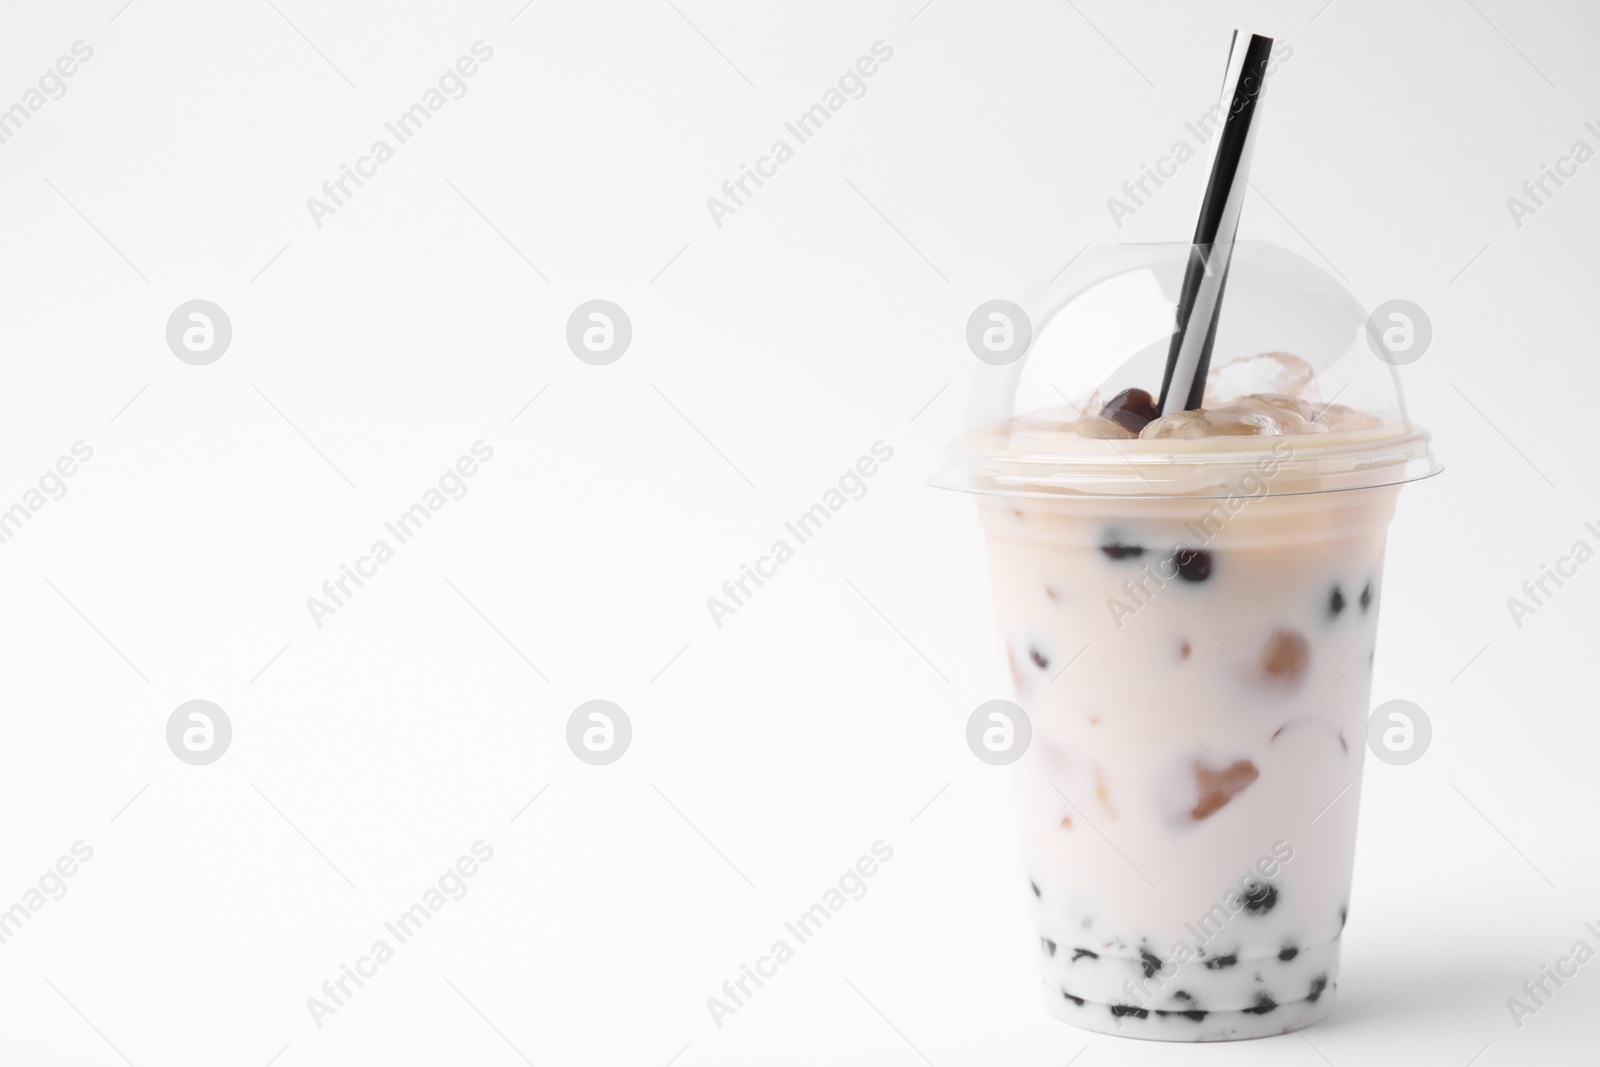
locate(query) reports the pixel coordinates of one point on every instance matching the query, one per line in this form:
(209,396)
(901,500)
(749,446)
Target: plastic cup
(1190,627)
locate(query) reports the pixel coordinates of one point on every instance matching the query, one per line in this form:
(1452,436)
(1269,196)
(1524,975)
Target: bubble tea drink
(1188,608)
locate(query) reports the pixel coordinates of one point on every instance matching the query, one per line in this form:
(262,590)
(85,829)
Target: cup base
(1164,1025)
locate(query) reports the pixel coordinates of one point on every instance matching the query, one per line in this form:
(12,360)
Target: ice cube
(1249,416)
(1268,372)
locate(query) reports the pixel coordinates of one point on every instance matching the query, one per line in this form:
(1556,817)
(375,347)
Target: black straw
(1189,356)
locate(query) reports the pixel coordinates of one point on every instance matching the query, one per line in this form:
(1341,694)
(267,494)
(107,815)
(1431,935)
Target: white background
(825,315)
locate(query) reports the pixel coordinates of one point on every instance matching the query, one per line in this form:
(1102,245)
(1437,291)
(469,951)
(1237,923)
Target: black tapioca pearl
(1182,995)
(1115,548)
(1318,984)
(1049,946)
(1076,1000)
(1194,1013)
(1035,887)
(1080,953)
(1366,597)
(1221,961)
(1040,660)
(1262,1005)
(1344,914)
(1151,963)
(1261,898)
(1287,953)
(1132,409)
(1192,564)
(1335,603)
(1121,1010)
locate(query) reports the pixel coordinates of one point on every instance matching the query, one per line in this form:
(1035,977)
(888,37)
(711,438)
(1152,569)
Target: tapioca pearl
(1049,946)
(1344,914)
(1132,409)
(1040,660)
(1121,1010)
(1081,953)
(1151,963)
(1076,1000)
(1285,657)
(1262,1005)
(1192,564)
(1182,995)
(1318,984)
(1221,962)
(1190,1013)
(1035,887)
(1261,898)
(1288,952)
(1335,602)
(1117,547)
(1366,597)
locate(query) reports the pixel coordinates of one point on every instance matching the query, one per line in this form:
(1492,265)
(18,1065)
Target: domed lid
(1295,371)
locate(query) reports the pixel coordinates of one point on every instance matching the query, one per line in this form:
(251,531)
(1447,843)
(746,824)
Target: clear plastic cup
(1189,624)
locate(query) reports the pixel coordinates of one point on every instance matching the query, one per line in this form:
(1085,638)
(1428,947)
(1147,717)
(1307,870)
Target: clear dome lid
(1295,370)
